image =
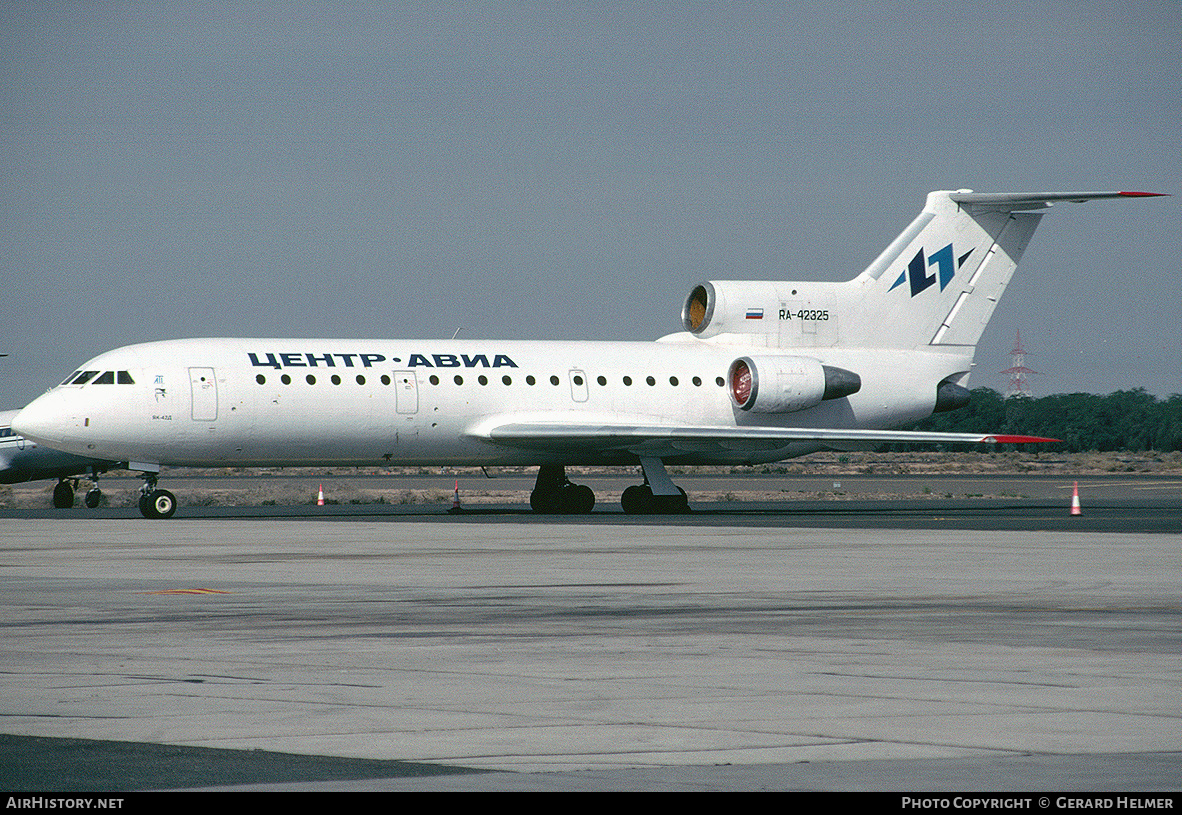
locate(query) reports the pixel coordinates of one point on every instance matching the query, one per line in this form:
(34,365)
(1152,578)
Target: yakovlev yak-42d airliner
(764,371)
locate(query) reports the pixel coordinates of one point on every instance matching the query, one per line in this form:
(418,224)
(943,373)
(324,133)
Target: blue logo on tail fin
(917,270)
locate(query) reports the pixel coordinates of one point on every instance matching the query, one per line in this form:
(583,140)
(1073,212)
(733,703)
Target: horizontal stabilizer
(1038,200)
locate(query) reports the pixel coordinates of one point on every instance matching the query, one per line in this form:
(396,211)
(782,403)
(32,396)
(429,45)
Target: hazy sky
(570,170)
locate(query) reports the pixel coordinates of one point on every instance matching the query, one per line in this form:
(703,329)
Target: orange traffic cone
(320,497)
(1075,510)
(455,502)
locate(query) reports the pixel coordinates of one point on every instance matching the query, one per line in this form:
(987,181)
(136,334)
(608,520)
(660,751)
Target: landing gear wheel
(637,499)
(93,498)
(570,499)
(671,504)
(63,495)
(553,494)
(640,499)
(158,504)
(577,499)
(544,502)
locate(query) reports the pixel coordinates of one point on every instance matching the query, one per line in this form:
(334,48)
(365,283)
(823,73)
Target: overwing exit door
(406,392)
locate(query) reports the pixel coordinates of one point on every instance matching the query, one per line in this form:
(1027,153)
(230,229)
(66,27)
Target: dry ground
(289,486)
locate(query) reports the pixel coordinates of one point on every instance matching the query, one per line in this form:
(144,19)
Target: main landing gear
(553,494)
(639,500)
(154,502)
(658,495)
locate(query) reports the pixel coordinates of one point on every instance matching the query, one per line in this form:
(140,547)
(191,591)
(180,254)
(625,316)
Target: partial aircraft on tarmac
(24,460)
(764,371)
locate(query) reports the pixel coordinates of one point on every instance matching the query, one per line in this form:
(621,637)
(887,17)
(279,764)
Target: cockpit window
(97,378)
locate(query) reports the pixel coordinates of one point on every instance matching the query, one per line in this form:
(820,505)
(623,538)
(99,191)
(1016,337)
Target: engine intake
(786,384)
(699,308)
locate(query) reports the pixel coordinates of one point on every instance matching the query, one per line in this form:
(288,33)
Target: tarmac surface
(856,645)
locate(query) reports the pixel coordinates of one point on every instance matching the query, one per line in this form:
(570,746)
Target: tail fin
(937,284)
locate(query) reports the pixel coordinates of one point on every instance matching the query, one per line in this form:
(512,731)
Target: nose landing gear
(155,502)
(94,495)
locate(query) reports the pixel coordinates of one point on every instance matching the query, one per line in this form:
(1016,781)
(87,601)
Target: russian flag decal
(754,314)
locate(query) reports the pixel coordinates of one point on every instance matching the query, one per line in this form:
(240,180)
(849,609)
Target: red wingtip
(1146,194)
(1017,439)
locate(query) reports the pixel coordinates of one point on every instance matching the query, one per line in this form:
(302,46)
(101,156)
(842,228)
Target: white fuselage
(764,371)
(22,459)
(292,402)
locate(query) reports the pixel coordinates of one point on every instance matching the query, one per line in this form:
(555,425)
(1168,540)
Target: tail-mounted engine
(767,313)
(783,384)
(732,306)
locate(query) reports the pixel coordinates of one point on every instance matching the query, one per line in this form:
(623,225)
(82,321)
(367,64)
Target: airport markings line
(186,591)
(1138,484)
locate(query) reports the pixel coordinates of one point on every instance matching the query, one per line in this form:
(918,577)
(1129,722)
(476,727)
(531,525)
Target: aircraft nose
(47,419)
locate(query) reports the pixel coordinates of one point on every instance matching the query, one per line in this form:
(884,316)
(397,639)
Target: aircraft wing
(663,440)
